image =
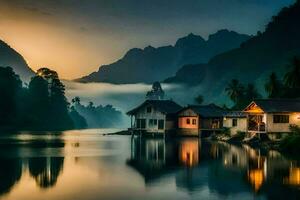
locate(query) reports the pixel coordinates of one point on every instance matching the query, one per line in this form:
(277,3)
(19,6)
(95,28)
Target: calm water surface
(87,165)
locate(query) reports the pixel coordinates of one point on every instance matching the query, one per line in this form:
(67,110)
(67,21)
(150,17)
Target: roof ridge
(276,99)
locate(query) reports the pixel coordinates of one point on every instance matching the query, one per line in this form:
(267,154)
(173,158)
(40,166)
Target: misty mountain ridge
(253,61)
(151,64)
(10,57)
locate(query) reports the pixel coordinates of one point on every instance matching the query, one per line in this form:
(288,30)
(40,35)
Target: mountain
(254,60)
(151,64)
(10,57)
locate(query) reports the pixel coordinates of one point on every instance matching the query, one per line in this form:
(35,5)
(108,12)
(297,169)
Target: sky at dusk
(75,37)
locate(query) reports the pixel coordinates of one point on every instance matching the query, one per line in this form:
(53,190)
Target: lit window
(282,119)
(194,121)
(188,121)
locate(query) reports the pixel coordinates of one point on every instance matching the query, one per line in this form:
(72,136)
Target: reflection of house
(151,157)
(257,172)
(155,116)
(155,158)
(197,120)
(189,152)
(272,115)
(235,121)
(294,176)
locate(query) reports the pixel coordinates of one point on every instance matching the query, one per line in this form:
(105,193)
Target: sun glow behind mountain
(75,37)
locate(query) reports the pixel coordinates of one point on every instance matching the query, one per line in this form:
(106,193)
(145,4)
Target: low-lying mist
(127,96)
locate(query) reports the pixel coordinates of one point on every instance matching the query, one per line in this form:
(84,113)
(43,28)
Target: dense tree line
(287,87)
(41,105)
(98,116)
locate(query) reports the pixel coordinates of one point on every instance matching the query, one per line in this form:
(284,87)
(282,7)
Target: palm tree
(251,92)
(76,100)
(273,86)
(292,78)
(234,90)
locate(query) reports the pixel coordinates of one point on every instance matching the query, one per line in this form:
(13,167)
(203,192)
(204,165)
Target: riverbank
(123,132)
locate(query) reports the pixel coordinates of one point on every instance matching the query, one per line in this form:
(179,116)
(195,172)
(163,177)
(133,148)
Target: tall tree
(10,87)
(292,77)
(273,86)
(235,90)
(251,92)
(38,103)
(156,93)
(59,106)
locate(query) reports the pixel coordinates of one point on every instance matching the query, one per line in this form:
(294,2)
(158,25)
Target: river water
(87,165)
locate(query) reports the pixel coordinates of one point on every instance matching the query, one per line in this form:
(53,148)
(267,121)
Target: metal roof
(278,105)
(164,106)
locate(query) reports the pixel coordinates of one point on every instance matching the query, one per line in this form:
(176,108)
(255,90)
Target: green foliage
(241,95)
(290,87)
(41,106)
(199,99)
(273,86)
(79,121)
(98,116)
(291,143)
(226,131)
(10,88)
(234,90)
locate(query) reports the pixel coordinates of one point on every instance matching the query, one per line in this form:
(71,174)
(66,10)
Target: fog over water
(123,97)
(127,96)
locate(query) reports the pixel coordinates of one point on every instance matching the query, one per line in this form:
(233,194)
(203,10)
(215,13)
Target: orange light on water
(189,153)
(294,177)
(256,178)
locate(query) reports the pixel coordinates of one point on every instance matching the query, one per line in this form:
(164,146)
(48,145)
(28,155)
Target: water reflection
(225,169)
(45,171)
(19,154)
(90,166)
(10,173)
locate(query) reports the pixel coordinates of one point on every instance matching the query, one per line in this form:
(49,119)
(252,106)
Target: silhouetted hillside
(9,57)
(151,64)
(255,58)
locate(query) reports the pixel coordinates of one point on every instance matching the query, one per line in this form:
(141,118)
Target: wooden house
(272,116)
(200,120)
(236,121)
(154,116)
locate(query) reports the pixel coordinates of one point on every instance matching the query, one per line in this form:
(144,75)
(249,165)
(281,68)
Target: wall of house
(185,129)
(183,122)
(169,123)
(294,118)
(241,125)
(211,123)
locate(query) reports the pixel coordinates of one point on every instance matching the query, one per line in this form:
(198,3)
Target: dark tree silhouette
(10,87)
(241,96)
(273,86)
(97,116)
(38,104)
(235,90)
(156,93)
(251,92)
(292,77)
(58,105)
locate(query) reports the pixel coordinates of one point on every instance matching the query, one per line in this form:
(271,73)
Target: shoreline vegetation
(41,105)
